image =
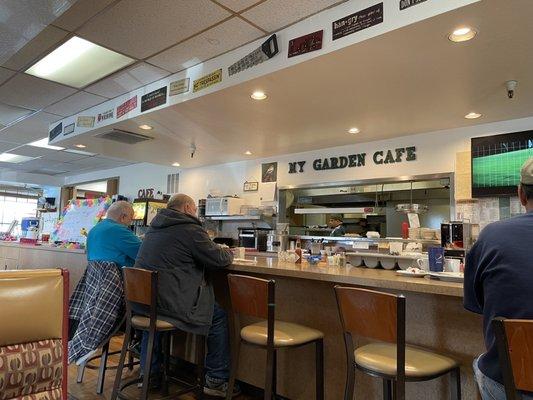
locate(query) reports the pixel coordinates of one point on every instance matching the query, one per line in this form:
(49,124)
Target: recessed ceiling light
(146,127)
(248,152)
(176,164)
(44,144)
(353,130)
(14,158)
(80,146)
(472,115)
(78,62)
(258,95)
(462,34)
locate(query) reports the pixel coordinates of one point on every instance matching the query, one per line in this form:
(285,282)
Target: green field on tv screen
(499,170)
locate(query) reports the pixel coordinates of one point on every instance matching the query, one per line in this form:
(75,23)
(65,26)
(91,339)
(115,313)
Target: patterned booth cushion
(31,371)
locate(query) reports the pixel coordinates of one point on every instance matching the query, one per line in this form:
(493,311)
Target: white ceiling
(163,36)
(408,81)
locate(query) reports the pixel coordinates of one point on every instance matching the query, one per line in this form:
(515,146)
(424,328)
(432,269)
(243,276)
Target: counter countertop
(43,247)
(374,278)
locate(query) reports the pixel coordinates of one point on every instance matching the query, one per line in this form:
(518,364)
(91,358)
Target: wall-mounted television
(496,162)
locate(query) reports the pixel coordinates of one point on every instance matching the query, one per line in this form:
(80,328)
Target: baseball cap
(526,175)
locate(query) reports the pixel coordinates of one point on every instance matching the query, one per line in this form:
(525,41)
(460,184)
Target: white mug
(240,252)
(452,265)
(423,263)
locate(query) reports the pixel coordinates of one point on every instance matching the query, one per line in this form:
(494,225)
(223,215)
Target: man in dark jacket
(177,246)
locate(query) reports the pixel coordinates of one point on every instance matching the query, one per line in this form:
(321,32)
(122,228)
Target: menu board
(153,209)
(78,218)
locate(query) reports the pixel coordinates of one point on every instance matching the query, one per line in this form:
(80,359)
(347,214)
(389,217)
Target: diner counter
(360,276)
(40,246)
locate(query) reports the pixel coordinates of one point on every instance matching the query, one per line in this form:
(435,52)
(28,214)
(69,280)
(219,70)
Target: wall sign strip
(154,99)
(55,132)
(127,106)
(267,50)
(85,122)
(68,129)
(207,80)
(409,3)
(305,44)
(179,87)
(104,115)
(358,21)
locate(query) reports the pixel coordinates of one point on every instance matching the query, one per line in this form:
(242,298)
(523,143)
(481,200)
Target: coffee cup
(423,263)
(452,265)
(240,252)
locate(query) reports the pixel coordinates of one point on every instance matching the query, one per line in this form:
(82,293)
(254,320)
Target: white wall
(435,154)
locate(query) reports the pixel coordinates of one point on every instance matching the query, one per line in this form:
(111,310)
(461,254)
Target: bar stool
(140,288)
(514,339)
(381,317)
(256,298)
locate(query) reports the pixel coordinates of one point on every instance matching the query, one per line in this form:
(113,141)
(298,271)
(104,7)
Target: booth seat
(33,334)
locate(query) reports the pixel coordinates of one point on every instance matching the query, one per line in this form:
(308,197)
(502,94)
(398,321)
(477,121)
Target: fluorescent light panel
(83,153)
(44,144)
(78,62)
(14,158)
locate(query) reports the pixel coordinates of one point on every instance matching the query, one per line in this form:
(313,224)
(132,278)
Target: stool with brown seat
(381,317)
(256,298)
(140,289)
(514,339)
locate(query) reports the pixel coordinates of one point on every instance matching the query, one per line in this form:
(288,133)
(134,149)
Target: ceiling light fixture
(80,146)
(44,144)
(248,152)
(353,130)
(14,158)
(258,95)
(146,127)
(176,164)
(78,62)
(472,115)
(462,34)
(83,153)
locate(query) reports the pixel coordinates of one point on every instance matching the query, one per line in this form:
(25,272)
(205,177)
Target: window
(14,207)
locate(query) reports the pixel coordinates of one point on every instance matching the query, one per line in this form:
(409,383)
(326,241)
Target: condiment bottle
(298,252)
(342,259)
(405,230)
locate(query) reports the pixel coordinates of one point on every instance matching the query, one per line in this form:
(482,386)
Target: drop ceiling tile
(79,13)
(32,128)
(275,14)
(63,156)
(36,48)
(140,28)
(32,151)
(75,103)
(5,74)
(30,92)
(86,162)
(9,114)
(238,5)
(127,80)
(6,146)
(224,37)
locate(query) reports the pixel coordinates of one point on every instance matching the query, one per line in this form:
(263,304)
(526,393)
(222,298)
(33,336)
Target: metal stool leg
(234,367)
(269,376)
(81,371)
(319,369)
(118,377)
(102,369)
(200,362)
(387,389)
(165,347)
(148,364)
(455,384)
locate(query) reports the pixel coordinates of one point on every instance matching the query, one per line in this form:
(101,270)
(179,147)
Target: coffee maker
(456,235)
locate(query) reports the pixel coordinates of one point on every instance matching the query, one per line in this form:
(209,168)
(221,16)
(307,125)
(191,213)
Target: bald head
(182,203)
(121,212)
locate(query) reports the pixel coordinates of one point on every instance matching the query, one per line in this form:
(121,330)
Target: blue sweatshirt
(499,280)
(110,241)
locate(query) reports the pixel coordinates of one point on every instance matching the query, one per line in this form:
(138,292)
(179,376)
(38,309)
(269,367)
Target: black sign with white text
(154,99)
(55,132)
(409,3)
(358,21)
(268,49)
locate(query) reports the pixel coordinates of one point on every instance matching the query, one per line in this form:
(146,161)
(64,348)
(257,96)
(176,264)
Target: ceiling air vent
(117,135)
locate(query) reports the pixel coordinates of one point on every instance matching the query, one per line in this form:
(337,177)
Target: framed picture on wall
(269,172)
(251,186)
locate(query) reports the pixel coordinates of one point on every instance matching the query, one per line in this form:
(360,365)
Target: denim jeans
(489,388)
(217,362)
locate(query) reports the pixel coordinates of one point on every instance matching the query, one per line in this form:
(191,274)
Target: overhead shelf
(238,217)
(338,210)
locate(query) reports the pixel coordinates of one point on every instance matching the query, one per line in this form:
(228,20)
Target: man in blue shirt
(96,304)
(499,281)
(112,240)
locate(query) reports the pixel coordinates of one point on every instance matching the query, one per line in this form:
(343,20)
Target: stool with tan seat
(381,317)
(140,289)
(514,339)
(256,298)
(33,334)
